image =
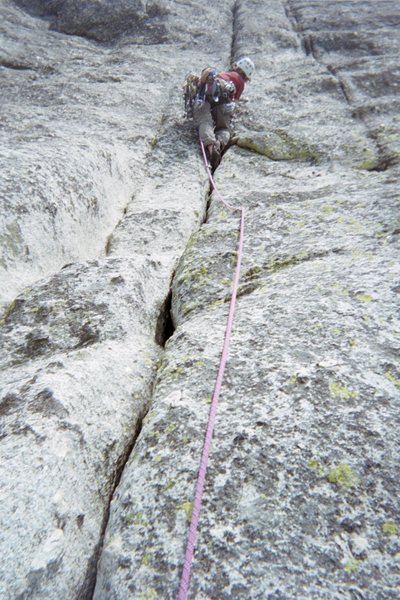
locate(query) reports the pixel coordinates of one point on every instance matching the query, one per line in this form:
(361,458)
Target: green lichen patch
(146,560)
(216,303)
(390,528)
(153,435)
(342,476)
(316,466)
(337,331)
(187,508)
(390,377)
(352,566)
(253,272)
(8,312)
(280,145)
(170,428)
(341,392)
(362,154)
(169,485)
(363,297)
(136,519)
(193,276)
(150,415)
(176,371)
(369,163)
(149,594)
(272,266)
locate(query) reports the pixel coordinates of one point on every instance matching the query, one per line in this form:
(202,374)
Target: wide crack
(165,326)
(164,330)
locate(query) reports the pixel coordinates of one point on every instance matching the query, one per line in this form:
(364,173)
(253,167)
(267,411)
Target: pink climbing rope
(201,477)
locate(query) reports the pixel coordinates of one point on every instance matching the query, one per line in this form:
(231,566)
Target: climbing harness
(201,477)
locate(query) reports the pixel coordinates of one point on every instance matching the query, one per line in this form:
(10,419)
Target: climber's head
(245,67)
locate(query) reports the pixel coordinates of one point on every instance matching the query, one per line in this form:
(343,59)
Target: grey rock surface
(104,20)
(116,278)
(92,227)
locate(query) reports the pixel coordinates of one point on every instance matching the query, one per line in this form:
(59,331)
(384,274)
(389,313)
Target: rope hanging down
(201,477)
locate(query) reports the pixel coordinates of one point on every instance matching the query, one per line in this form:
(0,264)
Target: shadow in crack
(165,327)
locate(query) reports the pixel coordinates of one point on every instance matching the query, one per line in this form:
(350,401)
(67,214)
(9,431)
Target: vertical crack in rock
(305,40)
(86,593)
(152,143)
(342,84)
(208,204)
(307,44)
(165,326)
(235,11)
(164,330)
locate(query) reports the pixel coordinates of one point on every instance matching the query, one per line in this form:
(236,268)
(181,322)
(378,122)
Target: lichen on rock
(117,270)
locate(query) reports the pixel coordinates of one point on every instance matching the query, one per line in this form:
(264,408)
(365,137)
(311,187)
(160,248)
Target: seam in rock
(250,286)
(15,66)
(235,12)
(341,82)
(164,330)
(208,204)
(147,159)
(87,591)
(233,57)
(385,158)
(307,43)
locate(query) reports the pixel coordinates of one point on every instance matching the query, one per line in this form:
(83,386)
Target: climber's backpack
(207,85)
(197,87)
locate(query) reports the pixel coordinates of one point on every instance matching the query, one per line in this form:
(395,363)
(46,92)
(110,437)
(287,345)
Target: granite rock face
(104,20)
(117,267)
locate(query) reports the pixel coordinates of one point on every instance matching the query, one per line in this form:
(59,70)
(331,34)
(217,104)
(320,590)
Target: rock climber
(215,103)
